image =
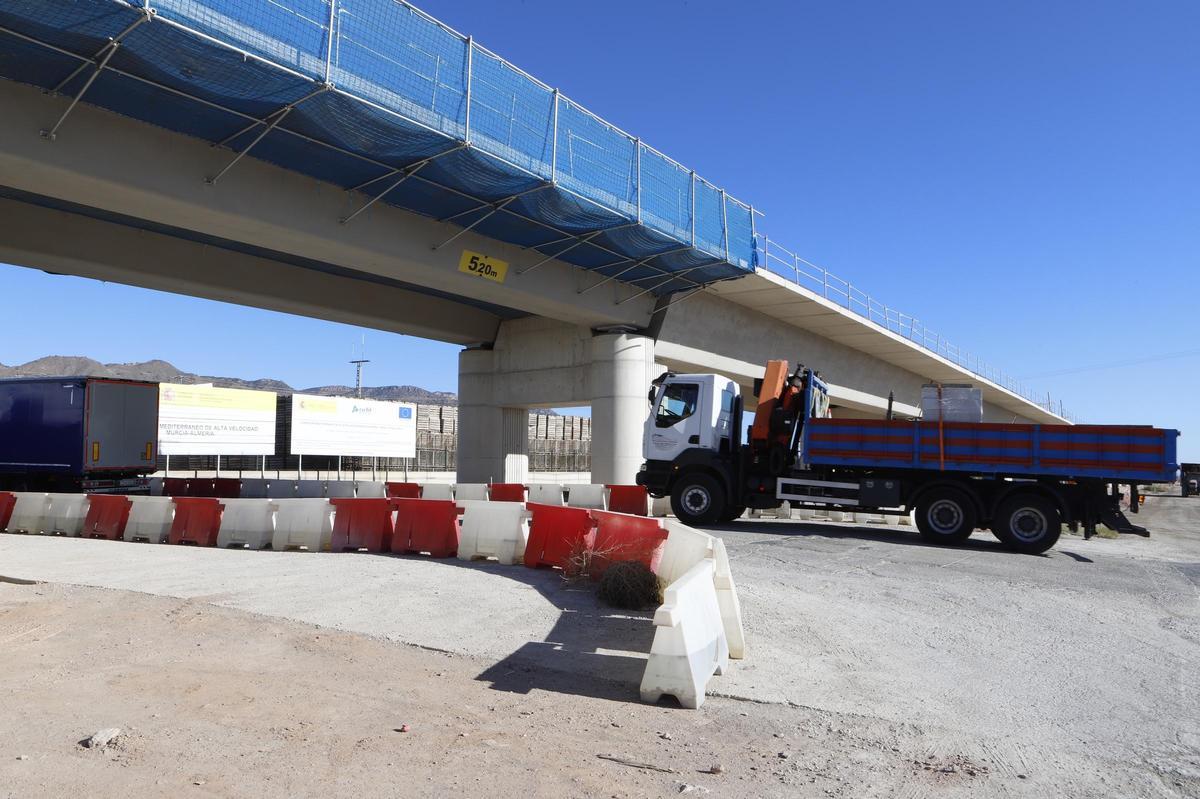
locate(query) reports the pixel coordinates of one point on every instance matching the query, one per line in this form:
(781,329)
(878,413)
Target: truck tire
(731,513)
(697,498)
(946,515)
(1027,523)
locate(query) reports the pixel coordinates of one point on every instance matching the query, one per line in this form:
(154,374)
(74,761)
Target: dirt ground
(878,667)
(218,702)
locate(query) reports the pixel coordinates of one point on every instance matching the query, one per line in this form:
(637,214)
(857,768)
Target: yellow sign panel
(480,265)
(211,397)
(313,404)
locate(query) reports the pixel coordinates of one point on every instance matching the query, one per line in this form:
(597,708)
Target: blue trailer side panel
(1118,453)
(42,425)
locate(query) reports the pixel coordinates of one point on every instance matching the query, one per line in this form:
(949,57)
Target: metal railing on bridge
(778,260)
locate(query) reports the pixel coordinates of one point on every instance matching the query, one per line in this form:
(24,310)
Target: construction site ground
(877,666)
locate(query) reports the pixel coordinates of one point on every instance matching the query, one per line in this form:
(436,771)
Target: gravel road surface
(886,667)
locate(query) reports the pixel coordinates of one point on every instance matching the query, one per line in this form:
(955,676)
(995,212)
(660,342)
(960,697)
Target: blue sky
(1021,176)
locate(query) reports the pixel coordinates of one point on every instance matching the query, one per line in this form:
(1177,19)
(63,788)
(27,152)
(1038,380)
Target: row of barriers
(698,627)
(620,498)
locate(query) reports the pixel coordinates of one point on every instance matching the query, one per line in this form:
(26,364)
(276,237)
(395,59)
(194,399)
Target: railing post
(554,142)
(637,186)
(693,202)
(329,41)
(470,65)
(725,224)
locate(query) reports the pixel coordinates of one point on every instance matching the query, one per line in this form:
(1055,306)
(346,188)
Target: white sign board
(203,420)
(347,426)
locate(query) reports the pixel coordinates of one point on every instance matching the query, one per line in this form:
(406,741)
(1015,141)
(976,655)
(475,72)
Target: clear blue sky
(1022,176)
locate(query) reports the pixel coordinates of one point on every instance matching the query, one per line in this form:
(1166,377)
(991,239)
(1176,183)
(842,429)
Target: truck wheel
(1027,523)
(697,498)
(946,516)
(732,512)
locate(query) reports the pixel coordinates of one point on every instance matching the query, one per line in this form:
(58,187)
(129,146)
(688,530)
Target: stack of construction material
(951,403)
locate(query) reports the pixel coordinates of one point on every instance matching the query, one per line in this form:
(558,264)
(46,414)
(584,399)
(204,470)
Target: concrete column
(621,370)
(493,441)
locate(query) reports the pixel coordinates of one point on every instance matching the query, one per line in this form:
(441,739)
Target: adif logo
(361,409)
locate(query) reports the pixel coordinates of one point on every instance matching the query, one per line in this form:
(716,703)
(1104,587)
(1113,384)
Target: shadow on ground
(907,536)
(586,653)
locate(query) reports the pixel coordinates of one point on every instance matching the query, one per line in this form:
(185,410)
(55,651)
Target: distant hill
(163,372)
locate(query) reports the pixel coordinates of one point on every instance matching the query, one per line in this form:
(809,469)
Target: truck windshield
(678,402)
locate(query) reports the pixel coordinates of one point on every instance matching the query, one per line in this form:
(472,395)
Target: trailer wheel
(1027,523)
(697,498)
(946,515)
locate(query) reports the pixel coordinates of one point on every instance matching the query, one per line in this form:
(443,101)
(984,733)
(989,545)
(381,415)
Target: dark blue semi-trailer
(74,434)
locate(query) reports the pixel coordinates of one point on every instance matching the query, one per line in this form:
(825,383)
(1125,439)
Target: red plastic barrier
(556,533)
(200,487)
(226,488)
(361,523)
(506,492)
(426,525)
(402,490)
(629,499)
(197,521)
(175,486)
(106,516)
(7,503)
(620,536)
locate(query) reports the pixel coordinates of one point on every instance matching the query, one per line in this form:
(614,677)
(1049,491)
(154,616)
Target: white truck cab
(689,411)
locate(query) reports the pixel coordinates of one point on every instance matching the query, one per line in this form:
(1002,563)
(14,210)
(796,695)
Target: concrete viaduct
(120,200)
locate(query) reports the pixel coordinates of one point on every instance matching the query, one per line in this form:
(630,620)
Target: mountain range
(158,371)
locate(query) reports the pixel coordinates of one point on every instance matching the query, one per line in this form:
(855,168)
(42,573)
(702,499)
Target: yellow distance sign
(480,265)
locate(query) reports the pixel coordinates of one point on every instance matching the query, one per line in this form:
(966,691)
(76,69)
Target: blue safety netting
(363,93)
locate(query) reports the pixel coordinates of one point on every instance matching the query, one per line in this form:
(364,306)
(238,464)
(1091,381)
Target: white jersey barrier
(497,530)
(660,507)
(685,548)
(247,523)
(310,489)
(303,524)
(66,515)
(149,519)
(437,491)
(689,640)
(546,493)
(474,492)
(29,513)
(594,497)
(339,489)
(370,489)
(281,489)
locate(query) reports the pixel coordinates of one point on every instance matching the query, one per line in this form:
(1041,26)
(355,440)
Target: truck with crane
(1023,481)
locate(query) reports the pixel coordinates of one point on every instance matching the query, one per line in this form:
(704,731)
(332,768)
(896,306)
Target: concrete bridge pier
(540,363)
(621,370)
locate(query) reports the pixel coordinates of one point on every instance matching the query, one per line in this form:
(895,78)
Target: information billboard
(348,426)
(204,420)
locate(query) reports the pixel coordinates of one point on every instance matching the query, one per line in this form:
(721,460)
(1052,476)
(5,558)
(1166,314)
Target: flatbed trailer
(1024,482)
